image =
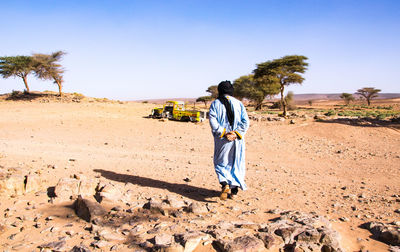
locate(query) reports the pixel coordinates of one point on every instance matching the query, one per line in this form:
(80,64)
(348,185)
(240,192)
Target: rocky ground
(326,185)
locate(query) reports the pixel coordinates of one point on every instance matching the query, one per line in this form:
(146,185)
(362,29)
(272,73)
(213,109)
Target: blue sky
(127,50)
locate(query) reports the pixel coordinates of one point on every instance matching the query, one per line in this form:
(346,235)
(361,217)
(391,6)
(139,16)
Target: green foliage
(247,87)
(47,67)
(310,102)
(145,101)
(17,66)
(213,90)
(368,93)
(330,113)
(347,98)
(204,99)
(283,72)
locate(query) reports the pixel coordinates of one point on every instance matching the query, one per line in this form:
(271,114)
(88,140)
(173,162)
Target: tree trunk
(26,84)
(369,102)
(283,100)
(59,84)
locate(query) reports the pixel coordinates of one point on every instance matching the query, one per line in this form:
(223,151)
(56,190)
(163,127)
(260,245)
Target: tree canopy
(204,99)
(347,98)
(368,93)
(284,71)
(47,67)
(17,66)
(213,90)
(255,90)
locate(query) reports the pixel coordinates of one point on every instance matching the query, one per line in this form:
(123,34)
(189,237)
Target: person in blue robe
(229,123)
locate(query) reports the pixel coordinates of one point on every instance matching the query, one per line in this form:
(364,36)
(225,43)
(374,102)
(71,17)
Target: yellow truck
(175,110)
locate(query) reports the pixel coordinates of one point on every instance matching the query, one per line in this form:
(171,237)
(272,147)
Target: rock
(33,183)
(386,233)
(288,233)
(163,240)
(54,246)
(270,240)
(244,243)
(171,248)
(191,240)
(309,236)
(87,209)
(80,248)
(175,203)
(111,193)
(66,187)
(12,185)
(198,208)
(87,187)
(110,236)
(100,244)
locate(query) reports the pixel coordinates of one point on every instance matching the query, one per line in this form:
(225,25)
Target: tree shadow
(364,122)
(188,191)
(24,96)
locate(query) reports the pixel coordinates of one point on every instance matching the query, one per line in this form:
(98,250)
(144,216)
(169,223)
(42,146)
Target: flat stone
(87,187)
(33,183)
(244,243)
(66,187)
(12,185)
(198,208)
(163,239)
(54,246)
(80,248)
(87,209)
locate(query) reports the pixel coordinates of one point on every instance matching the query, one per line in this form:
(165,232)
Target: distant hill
(297,97)
(300,97)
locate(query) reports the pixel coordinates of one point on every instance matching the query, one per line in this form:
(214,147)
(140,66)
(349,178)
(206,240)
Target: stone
(386,233)
(191,240)
(244,243)
(54,246)
(163,240)
(175,203)
(111,193)
(198,208)
(66,187)
(80,248)
(87,187)
(87,209)
(33,183)
(100,244)
(174,247)
(110,236)
(309,236)
(3,229)
(12,185)
(270,240)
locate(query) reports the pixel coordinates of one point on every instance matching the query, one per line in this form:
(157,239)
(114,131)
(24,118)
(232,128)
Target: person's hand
(231,136)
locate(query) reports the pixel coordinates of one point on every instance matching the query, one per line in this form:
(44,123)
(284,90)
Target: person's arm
(243,123)
(216,128)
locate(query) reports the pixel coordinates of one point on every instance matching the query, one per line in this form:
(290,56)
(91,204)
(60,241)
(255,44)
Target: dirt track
(334,169)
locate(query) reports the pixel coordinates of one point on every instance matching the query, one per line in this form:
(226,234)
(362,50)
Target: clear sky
(127,49)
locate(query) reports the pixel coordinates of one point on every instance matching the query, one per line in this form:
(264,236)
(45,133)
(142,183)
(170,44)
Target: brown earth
(336,170)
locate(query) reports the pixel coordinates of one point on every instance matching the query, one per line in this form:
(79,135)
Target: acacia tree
(284,71)
(255,90)
(17,66)
(368,93)
(347,98)
(213,90)
(204,99)
(46,67)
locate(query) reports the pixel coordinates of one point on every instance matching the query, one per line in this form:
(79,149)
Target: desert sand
(348,173)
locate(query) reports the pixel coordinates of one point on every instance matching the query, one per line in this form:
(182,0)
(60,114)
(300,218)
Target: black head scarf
(225,87)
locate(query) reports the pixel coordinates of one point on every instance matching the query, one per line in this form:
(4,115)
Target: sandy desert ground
(348,173)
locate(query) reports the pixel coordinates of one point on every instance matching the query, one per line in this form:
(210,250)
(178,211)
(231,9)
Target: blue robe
(229,157)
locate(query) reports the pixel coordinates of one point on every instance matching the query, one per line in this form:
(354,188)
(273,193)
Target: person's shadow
(189,191)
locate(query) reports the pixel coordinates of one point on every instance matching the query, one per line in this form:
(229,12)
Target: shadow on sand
(364,122)
(188,191)
(23,96)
